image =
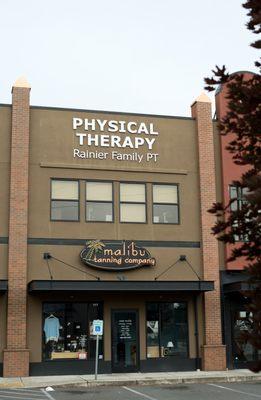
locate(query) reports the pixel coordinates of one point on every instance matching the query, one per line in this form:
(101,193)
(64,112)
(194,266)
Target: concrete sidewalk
(155,378)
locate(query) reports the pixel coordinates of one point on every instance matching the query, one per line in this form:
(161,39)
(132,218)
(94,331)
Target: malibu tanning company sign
(115,256)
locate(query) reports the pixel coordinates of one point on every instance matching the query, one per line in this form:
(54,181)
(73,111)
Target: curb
(169,381)
(11,385)
(133,382)
(152,381)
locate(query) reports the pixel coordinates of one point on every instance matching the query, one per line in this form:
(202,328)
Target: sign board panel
(98,327)
(115,255)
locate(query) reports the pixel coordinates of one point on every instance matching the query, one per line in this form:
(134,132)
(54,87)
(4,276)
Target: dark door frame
(130,369)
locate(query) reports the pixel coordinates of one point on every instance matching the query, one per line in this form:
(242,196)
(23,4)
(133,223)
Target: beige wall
(5,137)
(51,145)
(3,307)
(165,257)
(41,226)
(3,260)
(52,140)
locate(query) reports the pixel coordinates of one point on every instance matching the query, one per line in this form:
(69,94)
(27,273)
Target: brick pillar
(16,354)
(213,351)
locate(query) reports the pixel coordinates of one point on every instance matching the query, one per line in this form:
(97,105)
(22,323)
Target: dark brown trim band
(141,243)
(44,286)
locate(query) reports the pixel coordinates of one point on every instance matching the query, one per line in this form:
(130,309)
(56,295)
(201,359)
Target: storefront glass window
(243,351)
(165,204)
(167,330)
(67,330)
(64,200)
(238,195)
(152,330)
(99,204)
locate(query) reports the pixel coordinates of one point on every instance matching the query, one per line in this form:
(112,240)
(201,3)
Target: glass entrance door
(125,341)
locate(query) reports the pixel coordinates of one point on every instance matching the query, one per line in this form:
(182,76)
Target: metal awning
(239,286)
(36,286)
(3,286)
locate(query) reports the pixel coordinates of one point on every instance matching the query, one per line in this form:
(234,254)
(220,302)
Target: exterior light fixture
(47,256)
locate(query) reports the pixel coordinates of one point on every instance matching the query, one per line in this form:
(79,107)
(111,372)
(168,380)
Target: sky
(141,56)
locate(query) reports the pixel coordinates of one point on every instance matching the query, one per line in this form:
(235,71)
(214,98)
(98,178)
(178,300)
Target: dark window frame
(133,202)
(100,201)
(167,204)
(88,333)
(114,311)
(160,303)
(60,200)
(239,201)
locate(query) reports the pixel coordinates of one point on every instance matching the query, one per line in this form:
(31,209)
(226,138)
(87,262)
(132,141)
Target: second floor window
(238,195)
(133,202)
(65,200)
(165,204)
(99,201)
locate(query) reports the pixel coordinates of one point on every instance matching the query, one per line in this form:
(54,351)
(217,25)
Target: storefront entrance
(125,341)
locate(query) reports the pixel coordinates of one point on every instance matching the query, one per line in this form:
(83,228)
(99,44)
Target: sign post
(98,331)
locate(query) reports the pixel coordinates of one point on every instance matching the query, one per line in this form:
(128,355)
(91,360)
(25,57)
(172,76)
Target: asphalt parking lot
(216,391)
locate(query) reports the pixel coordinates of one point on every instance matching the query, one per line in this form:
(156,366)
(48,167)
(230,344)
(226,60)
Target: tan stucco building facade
(70,177)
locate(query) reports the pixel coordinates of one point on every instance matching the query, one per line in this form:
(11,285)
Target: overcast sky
(145,56)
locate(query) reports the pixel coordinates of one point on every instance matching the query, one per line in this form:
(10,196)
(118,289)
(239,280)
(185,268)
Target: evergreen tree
(243,124)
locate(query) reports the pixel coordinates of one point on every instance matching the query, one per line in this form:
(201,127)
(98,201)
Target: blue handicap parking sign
(98,327)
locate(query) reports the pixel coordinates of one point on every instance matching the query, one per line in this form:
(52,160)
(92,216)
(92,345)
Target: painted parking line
(33,391)
(18,396)
(234,390)
(22,394)
(47,394)
(138,393)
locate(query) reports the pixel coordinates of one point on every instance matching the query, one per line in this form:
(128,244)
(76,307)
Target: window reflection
(167,330)
(67,330)
(242,349)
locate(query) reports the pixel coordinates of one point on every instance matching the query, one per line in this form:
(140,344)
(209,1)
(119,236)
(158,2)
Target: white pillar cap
(22,82)
(202,98)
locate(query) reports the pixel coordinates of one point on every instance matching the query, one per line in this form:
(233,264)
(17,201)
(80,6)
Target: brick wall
(213,352)
(230,171)
(16,355)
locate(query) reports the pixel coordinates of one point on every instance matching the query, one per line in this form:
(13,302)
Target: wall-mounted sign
(123,140)
(114,256)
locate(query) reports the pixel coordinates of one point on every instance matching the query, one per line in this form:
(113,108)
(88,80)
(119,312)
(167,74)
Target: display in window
(152,338)
(51,328)
(66,330)
(167,330)
(243,351)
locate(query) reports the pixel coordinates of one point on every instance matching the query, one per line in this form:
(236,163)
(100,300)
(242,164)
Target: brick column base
(16,363)
(214,358)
